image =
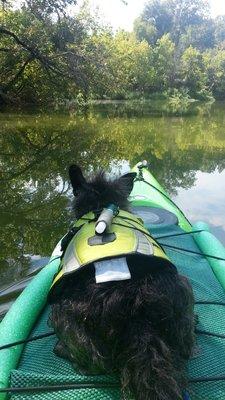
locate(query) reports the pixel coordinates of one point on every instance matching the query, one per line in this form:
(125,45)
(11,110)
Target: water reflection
(205,201)
(35,151)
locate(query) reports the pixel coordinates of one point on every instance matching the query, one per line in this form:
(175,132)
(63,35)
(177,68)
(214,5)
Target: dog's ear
(77,179)
(127,181)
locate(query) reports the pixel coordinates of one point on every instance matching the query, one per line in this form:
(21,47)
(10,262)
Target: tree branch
(18,74)
(32,50)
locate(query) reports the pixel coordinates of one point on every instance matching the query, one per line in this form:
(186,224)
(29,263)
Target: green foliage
(215,66)
(45,57)
(220,30)
(200,36)
(45,8)
(156,17)
(164,63)
(50,55)
(130,64)
(145,30)
(172,16)
(179,102)
(193,70)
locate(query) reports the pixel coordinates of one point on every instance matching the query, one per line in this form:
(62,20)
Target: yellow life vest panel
(126,235)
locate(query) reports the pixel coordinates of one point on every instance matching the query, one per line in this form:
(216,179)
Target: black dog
(142,327)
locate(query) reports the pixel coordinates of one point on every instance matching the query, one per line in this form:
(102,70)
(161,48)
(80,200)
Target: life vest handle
(105,219)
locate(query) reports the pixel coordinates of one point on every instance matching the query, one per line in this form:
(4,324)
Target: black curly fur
(142,328)
(99,191)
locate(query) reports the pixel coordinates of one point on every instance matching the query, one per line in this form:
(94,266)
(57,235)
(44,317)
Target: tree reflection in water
(36,150)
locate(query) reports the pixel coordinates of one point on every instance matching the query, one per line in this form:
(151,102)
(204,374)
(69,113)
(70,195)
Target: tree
(30,48)
(43,9)
(130,64)
(220,30)
(126,65)
(187,13)
(45,56)
(145,30)
(193,71)
(200,36)
(164,63)
(156,18)
(214,61)
(50,55)
(173,16)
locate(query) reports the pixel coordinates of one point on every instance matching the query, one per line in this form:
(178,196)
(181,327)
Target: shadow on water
(36,150)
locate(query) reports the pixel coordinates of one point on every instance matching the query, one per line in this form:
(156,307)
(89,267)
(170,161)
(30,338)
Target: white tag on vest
(115,269)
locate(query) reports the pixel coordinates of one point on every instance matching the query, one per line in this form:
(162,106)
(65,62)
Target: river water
(186,154)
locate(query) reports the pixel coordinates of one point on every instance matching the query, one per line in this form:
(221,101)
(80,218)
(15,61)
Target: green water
(186,154)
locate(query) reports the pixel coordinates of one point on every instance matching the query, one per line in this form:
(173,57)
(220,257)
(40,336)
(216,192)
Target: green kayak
(31,370)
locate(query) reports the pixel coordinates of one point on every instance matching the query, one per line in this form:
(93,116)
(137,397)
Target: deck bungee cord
(171,246)
(213,303)
(69,386)
(32,339)
(140,178)
(178,234)
(94,385)
(60,387)
(48,334)
(165,195)
(192,252)
(203,332)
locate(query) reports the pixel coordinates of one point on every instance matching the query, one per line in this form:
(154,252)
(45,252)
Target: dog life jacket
(126,236)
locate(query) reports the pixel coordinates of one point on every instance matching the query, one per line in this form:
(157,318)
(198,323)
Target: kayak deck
(39,366)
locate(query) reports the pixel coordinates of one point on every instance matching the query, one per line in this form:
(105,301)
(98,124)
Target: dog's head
(98,192)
